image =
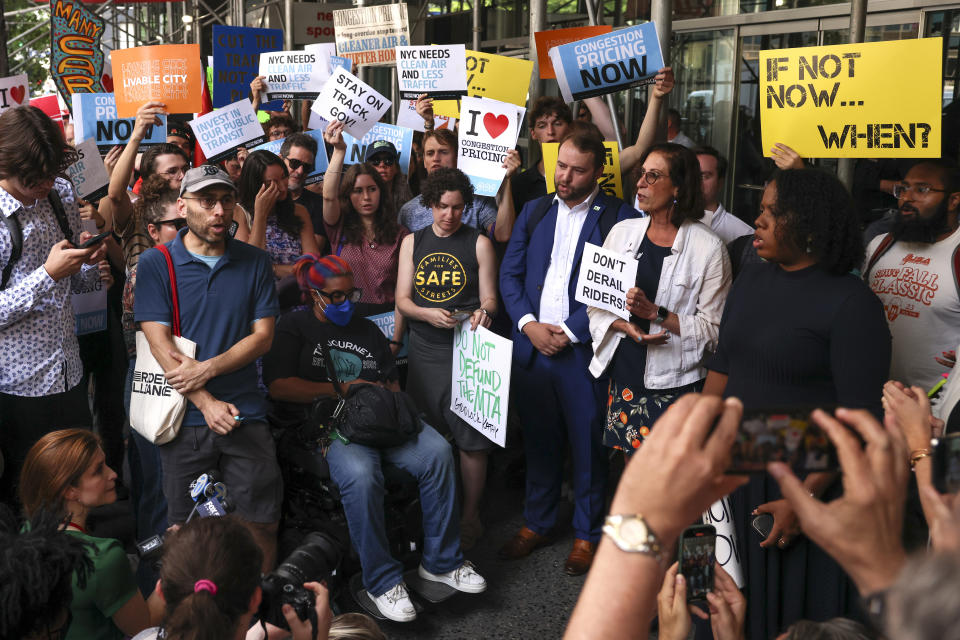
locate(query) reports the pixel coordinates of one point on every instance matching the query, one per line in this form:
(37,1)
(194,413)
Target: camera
(314,560)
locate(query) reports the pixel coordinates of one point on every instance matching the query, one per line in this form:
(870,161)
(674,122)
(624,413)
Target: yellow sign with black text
(611,182)
(440,277)
(491,76)
(872,100)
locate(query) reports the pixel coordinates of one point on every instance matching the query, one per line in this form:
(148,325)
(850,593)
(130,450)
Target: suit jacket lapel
(593,217)
(548,227)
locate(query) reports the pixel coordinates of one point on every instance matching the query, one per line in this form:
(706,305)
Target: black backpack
(16,234)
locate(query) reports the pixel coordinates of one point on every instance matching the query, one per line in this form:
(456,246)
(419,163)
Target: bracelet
(917,455)
(486,313)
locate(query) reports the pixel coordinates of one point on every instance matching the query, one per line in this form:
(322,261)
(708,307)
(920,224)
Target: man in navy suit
(558,399)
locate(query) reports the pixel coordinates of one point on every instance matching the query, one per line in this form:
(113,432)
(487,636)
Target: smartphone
(789,436)
(946,463)
(460,314)
(762,523)
(696,555)
(97,239)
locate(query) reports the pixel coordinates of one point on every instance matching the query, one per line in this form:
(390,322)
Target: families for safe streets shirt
(917,284)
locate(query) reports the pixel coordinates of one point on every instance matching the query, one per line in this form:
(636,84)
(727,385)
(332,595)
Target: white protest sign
(719,515)
(408,117)
(488,131)
(438,71)
(346,98)
(480,383)
(90,302)
(88,175)
(294,75)
(14,91)
(313,21)
(605,276)
(220,132)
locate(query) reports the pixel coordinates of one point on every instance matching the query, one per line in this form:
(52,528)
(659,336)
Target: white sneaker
(395,604)
(464,578)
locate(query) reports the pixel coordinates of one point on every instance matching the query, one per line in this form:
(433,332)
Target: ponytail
(200,617)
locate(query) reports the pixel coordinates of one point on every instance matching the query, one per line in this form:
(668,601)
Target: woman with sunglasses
(279,226)
(66,474)
(383,156)
(683,277)
(362,225)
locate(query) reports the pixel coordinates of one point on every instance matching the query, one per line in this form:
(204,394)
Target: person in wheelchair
(295,372)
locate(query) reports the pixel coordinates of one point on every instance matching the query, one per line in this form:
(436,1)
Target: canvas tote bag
(156,408)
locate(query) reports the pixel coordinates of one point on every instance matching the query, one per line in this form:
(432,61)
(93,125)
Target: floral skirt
(632,409)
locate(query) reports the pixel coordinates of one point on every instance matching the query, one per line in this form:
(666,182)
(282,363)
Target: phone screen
(782,436)
(697,546)
(946,464)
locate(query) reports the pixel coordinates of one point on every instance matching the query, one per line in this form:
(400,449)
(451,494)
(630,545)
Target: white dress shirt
(555,299)
(726,225)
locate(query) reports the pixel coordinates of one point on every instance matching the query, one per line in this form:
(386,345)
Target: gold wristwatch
(631,533)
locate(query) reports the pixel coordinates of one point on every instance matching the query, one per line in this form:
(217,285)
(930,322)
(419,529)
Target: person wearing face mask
(295,371)
(280,226)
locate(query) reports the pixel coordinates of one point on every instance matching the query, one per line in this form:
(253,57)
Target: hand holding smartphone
(782,435)
(95,240)
(696,556)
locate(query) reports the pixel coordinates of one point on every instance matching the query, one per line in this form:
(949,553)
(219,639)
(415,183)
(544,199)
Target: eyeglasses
(383,161)
(176,223)
(209,202)
(174,171)
(276,134)
(650,177)
(336,297)
(900,190)
(295,164)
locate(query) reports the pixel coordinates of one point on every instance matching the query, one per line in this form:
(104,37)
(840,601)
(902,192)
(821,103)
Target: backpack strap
(882,248)
(16,246)
(57,205)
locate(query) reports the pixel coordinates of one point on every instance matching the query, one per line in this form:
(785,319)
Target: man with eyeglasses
(384,157)
(299,153)
(914,270)
(228,304)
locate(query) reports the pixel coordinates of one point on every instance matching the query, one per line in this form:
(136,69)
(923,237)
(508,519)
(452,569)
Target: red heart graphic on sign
(495,125)
(18,93)
(107,83)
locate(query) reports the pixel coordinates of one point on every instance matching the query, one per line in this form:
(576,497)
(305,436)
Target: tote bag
(156,408)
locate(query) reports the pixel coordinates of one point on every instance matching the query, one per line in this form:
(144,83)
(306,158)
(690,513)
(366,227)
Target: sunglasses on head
(295,164)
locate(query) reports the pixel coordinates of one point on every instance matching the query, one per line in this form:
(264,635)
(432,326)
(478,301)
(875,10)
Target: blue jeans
(356,470)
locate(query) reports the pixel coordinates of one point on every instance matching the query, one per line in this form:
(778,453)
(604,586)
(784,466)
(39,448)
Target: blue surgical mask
(339,314)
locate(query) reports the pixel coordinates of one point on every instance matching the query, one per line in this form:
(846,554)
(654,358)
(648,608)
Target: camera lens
(315,559)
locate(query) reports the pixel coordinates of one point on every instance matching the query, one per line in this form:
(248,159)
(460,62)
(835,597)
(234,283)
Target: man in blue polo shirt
(227,306)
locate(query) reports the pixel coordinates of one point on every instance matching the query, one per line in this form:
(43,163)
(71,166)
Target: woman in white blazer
(683,277)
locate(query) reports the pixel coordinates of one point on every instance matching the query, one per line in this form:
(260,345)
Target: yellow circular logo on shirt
(439,277)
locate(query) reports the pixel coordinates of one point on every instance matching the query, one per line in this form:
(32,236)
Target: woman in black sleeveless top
(448,272)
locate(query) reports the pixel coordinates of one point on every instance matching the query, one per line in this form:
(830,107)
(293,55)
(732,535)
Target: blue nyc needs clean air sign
(607,63)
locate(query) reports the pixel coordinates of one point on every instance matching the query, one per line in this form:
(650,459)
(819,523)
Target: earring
(674,203)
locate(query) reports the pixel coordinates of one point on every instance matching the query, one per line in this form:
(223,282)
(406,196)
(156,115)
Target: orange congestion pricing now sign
(167,73)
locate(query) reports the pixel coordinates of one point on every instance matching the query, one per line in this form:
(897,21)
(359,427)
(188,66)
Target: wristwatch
(662,314)
(631,533)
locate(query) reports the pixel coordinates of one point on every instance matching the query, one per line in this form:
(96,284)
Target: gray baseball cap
(205,176)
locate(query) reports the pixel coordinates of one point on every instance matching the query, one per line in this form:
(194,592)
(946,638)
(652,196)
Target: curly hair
(684,170)
(251,179)
(549,106)
(32,147)
(156,197)
(814,214)
(442,180)
(385,226)
(37,568)
(218,550)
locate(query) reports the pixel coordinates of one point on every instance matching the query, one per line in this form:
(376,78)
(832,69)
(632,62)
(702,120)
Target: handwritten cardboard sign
(14,91)
(480,384)
(95,118)
(607,63)
(346,98)
(294,75)
(605,276)
(438,71)
(491,76)
(547,40)
(835,102)
(611,180)
(76,59)
(320,162)
(220,132)
(168,73)
(401,137)
(370,35)
(488,131)
(313,21)
(236,61)
(88,175)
